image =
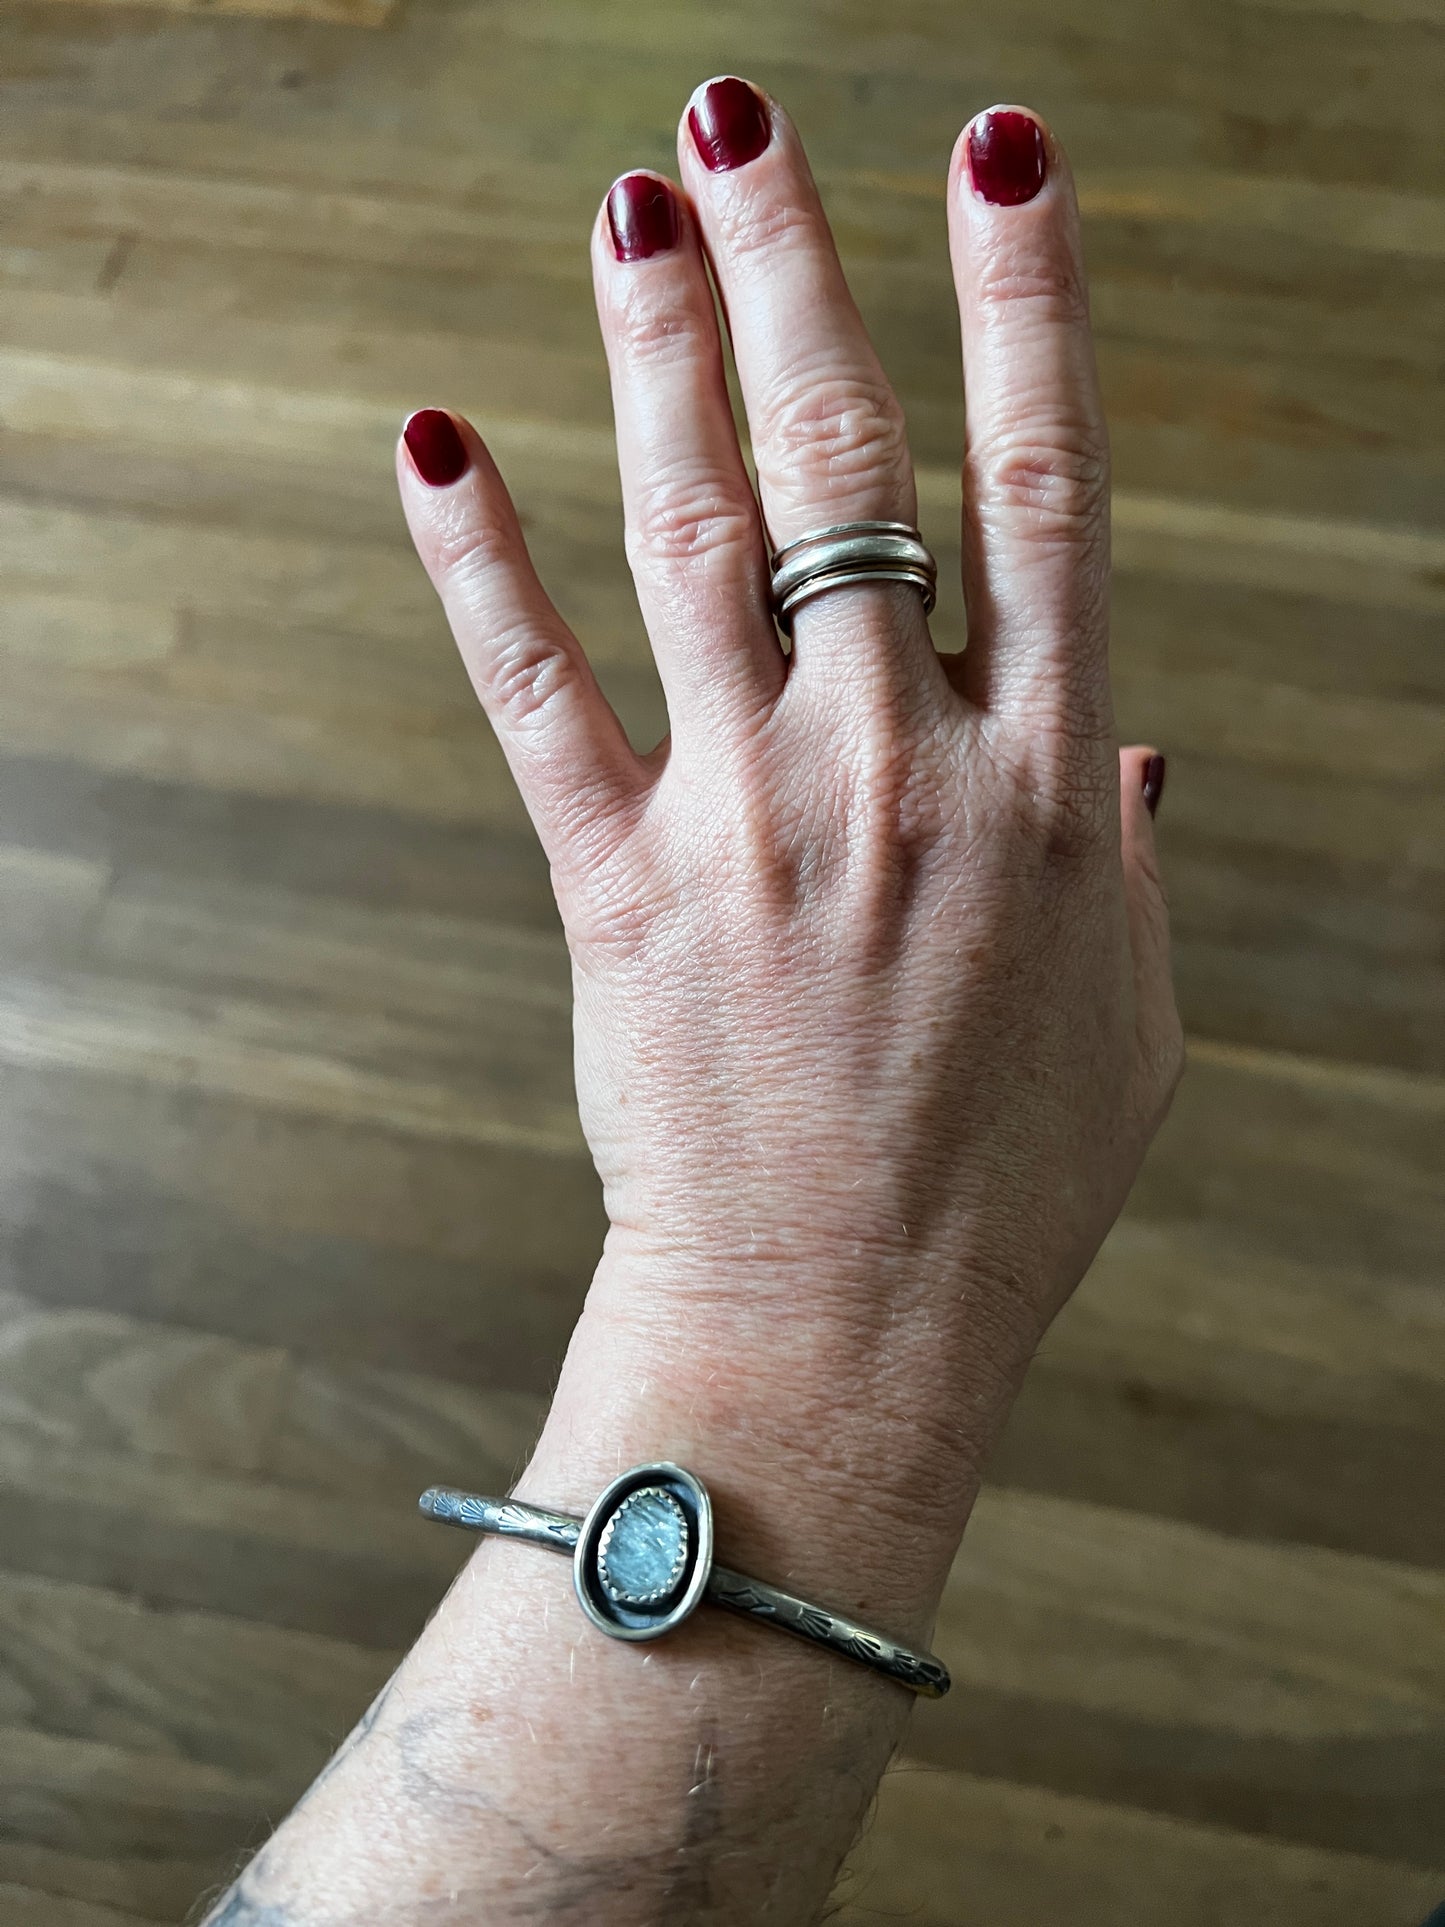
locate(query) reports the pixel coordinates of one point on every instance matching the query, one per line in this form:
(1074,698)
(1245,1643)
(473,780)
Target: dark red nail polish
(1153,783)
(642,214)
(729,125)
(438,451)
(1007,158)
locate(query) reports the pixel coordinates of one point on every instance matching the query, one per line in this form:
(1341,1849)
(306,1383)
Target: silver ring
(642,1561)
(847,553)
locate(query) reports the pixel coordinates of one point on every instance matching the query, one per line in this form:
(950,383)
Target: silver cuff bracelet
(642,1561)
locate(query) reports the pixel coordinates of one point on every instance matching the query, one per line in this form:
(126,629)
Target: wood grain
(949,1847)
(49,1909)
(295,1214)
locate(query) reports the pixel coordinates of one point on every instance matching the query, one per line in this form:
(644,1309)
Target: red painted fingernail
(642,214)
(729,125)
(1007,158)
(1153,783)
(437,450)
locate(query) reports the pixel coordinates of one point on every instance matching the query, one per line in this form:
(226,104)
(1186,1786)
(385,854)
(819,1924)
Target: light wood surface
(295,1204)
(350,13)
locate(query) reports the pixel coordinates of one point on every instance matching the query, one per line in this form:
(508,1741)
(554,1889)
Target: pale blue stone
(645,1547)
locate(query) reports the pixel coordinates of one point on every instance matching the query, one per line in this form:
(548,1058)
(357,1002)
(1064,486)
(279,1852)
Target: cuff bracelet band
(642,1561)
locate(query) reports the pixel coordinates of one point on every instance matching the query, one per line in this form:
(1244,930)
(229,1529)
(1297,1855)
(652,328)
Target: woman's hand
(873,1026)
(873,1009)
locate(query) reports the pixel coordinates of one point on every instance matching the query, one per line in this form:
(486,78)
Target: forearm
(522,1765)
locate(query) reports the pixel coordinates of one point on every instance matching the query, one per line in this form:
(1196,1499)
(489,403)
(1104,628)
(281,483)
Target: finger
(694,538)
(827,431)
(1036,463)
(570,756)
(1141,784)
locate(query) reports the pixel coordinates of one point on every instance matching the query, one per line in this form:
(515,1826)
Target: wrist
(841,1458)
(841,1434)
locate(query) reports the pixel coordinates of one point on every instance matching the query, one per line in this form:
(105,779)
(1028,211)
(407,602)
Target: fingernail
(437,450)
(1007,158)
(729,125)
(1153,783)
(642,214)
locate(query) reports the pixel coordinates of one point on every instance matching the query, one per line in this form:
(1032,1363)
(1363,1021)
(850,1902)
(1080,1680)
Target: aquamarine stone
(644,1547)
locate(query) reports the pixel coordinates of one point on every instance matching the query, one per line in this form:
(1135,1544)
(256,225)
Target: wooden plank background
(294,1200)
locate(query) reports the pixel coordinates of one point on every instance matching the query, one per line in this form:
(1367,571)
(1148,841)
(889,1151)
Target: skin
(873,1027)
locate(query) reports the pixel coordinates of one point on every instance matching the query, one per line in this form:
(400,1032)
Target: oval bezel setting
(621,1617)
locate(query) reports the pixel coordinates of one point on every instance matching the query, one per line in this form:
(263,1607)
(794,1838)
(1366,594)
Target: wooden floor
(296,1215)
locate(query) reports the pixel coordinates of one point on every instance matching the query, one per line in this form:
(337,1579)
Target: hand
(873,1008)
(873,1026)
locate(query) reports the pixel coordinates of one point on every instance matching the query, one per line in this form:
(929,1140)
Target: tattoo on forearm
(686,1878)
(355,1738)
(238,1910)
(237,1907)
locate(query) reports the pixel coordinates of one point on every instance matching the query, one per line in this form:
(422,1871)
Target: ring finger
(827,431)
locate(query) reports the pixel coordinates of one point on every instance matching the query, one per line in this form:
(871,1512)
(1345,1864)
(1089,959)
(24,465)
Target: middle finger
(827,431)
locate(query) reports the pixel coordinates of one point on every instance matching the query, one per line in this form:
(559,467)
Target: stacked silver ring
(847,553)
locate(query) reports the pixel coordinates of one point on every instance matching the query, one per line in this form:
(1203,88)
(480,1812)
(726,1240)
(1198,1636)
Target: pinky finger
(569,754)
(1160,1037)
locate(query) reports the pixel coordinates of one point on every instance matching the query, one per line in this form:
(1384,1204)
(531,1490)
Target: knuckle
(521,673)
(656,334)
(470,551)
(521,667)
(757,226)
(1031,290)
(686,518)
(835,429)
(1053,478)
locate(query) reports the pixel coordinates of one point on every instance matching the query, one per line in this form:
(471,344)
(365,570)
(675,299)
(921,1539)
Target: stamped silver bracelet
(642,1561)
